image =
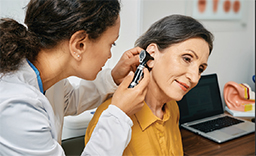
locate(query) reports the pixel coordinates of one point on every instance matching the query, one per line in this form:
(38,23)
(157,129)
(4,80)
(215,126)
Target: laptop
(202,112)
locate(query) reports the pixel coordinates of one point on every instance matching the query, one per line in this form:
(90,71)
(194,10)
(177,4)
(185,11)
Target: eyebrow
(196,56)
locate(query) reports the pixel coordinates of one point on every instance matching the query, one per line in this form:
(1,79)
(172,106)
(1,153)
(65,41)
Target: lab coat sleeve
(89,94)
(74,99)
(111,134)
(26,129)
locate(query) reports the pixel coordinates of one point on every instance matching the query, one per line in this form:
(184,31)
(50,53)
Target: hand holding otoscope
(127,97)
(144,58)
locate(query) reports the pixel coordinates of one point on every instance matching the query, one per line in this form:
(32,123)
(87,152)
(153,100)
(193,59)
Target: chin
(173,95)
(89,77)
(177,97)
(93,78)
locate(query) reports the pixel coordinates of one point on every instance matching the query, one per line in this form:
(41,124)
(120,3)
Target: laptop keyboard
(216,124)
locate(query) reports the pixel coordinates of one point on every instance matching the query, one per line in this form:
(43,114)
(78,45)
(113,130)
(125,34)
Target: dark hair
(174,29)
(49,22)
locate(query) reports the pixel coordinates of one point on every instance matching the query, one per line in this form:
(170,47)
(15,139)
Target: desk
(194,144)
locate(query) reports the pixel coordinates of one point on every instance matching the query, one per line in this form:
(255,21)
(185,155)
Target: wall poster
(218,9)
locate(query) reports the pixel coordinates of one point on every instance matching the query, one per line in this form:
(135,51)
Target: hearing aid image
(144,58)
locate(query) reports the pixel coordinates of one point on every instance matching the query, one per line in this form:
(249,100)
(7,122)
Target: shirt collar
(39,80)
(145,117)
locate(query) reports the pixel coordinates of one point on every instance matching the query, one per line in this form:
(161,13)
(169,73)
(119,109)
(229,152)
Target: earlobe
(76,56)
(151,63)
(77,44)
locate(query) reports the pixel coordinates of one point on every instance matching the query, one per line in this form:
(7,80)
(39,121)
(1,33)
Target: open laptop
(203,104)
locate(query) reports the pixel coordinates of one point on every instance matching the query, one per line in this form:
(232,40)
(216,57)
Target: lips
(182,85)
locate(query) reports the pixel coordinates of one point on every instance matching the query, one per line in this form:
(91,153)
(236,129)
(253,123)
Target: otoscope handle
(137,76)
(144,58)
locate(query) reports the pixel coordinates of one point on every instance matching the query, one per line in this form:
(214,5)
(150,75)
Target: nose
(193,75)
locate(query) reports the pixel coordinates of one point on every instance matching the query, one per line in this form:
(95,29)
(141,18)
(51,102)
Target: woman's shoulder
(22,93)
(101,108)
(95,119)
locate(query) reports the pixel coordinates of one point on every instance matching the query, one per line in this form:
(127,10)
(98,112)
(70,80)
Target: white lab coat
(31,124)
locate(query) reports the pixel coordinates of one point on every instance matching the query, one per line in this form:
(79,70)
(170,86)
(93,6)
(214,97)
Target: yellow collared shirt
(150,134)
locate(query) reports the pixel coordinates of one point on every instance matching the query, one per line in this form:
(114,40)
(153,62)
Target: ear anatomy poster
(218,9)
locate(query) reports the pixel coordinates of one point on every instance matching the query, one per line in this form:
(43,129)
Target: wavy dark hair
(48,23)
(174,29)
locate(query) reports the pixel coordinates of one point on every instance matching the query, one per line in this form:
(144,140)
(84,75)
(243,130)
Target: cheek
(158,72)
(164,70)
(161,78)
(101,55)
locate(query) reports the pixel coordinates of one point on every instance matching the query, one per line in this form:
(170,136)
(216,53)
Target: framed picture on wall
(218,9)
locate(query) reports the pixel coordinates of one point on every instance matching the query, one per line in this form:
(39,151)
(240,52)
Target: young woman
(64,38)
(180,46)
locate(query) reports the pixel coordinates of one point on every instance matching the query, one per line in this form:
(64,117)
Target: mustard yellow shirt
(151,136)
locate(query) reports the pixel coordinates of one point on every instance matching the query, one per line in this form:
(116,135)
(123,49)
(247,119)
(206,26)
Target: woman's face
(99,52)
(177,69)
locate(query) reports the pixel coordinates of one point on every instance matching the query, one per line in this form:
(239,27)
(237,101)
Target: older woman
(180,46)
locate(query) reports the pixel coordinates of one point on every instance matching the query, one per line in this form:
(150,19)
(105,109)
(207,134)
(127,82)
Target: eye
(187,58)
(201,69)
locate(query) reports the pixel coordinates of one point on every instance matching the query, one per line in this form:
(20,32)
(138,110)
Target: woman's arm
(111,134)
(87,95)
(27,126)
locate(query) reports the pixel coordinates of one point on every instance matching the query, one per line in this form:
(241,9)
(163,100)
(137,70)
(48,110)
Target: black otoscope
(144,58)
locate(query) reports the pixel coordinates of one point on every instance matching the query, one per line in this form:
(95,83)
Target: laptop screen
(202,101)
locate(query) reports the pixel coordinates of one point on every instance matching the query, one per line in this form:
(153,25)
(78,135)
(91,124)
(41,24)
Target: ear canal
(234,97)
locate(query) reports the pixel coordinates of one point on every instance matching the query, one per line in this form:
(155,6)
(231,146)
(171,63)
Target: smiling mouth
(183,86)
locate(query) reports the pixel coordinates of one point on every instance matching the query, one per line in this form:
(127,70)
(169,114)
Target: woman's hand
(130,100)
(128,62)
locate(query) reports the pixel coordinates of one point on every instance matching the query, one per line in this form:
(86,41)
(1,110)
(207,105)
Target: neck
(52,66)
(155,99)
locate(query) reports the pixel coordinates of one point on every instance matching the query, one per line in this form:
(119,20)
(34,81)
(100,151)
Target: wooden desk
(194,144)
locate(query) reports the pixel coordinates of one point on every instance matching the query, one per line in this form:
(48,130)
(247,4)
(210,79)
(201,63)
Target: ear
(77,44)
(234,95)
(152,50)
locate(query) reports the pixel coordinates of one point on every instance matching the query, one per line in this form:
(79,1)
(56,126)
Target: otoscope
(144,58)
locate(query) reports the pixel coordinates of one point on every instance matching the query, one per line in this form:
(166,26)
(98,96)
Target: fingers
(134,57)
(134,61)
(144,82)
(127,80)
(130,100)
(135,51)
(128,62)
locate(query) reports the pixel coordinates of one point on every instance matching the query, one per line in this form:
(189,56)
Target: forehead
(198,46)
(113,30)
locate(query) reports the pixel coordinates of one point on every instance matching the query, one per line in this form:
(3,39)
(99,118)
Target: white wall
(13,9)
(129,31)
(233,56)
